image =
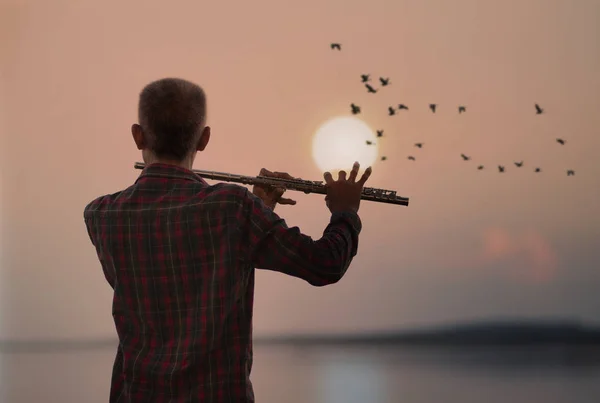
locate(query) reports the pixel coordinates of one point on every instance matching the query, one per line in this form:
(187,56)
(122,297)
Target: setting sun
(341,141)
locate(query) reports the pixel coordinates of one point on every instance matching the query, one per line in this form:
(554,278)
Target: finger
(266,189)
(277,193)
(354,172)
(265,172)
(283,200)
(342,176)
(328,178)
(273,197)
(365,176)
(283,175)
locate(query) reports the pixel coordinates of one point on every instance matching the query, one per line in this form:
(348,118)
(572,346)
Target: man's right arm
(273,246)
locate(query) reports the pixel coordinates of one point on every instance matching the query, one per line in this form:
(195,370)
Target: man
(180,256)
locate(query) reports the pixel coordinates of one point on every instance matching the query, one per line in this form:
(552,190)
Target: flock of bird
(385,81)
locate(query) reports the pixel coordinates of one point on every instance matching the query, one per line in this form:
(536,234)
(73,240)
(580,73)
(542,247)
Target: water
(340,374)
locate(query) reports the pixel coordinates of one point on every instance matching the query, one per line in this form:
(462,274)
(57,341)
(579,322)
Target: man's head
(172,122)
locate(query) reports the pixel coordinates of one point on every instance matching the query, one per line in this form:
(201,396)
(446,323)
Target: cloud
(527,255)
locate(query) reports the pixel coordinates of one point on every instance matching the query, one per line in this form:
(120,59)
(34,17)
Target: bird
(370,89)
(538,110)
(384,158)
(336,46)
(379,133)
(432,107)
(369,142)
(538,170)
(500,168)
(364,77)
(391,111)
(462,109)
(384,81)
(420,145)
(561,141)
(410,157)
(402,106)
(519,164)
(570,172)
(355,109)
(464,157)
(480,167)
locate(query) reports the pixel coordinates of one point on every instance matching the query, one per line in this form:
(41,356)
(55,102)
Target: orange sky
(471,244)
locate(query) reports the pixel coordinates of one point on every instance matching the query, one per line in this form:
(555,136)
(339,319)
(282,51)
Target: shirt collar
(160,170)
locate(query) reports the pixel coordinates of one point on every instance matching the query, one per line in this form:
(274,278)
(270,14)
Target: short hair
(172,112)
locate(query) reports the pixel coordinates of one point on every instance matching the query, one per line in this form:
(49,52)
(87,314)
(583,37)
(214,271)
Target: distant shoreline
(492,334)
(476,334)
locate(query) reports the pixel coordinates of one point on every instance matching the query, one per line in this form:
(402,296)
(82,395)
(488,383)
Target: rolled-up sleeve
(272,245)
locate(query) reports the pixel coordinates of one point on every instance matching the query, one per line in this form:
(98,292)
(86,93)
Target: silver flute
(370,194)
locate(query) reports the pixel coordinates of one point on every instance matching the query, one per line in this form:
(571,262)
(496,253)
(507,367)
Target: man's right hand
(344,194)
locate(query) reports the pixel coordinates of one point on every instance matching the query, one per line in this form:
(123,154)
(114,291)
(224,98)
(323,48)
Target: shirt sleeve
(88,220)
(274,246)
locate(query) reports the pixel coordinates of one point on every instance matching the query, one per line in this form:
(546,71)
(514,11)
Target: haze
(471,245)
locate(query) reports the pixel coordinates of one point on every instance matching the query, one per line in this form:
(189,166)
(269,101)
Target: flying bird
(570,172)
(384,81)
(391,111)
(370,89)
(500,168)
(369,142)
(480,167)
(538,110)
(420,145)
(410,157)
(538,170)
(364,77)
(519,164)
(561,141)
(462,109)
(402,106)
(464,157)
(336,46)
(384,158)
(379,133)
(432,107)
(355,109)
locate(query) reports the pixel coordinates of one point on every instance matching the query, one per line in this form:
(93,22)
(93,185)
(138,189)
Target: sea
(339,374)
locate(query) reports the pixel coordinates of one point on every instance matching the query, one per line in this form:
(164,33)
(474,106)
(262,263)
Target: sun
(341,141)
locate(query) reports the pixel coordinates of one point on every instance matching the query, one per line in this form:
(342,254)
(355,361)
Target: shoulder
(239,194)
(227,191)
(223,195)
(238,199)
(99,203)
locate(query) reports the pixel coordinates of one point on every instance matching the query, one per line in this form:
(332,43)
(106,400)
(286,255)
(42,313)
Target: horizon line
(417,330)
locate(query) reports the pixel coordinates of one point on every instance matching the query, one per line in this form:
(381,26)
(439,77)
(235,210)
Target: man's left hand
(271,195)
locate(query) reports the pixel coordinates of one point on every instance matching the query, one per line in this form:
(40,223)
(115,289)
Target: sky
(471,245)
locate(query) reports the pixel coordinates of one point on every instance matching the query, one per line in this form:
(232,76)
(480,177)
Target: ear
(203,140)
(138,136)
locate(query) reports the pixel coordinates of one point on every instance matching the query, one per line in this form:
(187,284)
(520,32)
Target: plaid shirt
(180,256)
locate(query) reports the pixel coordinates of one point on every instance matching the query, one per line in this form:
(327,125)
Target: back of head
(172,113)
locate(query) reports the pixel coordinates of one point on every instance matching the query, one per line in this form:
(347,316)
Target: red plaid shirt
(180,256)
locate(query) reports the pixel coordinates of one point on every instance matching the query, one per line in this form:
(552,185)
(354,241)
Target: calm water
(339,374)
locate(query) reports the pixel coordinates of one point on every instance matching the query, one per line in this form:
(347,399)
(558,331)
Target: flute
(370,194)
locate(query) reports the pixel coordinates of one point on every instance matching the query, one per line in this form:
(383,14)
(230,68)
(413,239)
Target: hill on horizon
(475,333)
(493,332)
